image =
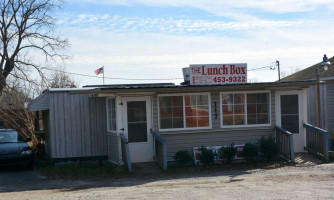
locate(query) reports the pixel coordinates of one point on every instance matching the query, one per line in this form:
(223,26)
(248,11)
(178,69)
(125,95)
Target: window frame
(184,111)
(108,119)
(245,108)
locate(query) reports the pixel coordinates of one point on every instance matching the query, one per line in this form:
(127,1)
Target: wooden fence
(285,141)
(125,152)
(160,147)
(316,141)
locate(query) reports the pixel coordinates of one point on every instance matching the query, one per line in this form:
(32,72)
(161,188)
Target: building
(88,122)
(326,94)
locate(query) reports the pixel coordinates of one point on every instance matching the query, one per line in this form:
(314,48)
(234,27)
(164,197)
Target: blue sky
(146,39)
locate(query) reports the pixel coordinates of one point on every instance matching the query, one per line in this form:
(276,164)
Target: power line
(258,68)
(152,79)
(117,78)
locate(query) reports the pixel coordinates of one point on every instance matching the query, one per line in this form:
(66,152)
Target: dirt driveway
(311,182)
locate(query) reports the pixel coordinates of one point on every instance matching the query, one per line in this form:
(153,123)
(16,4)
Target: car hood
(13,148)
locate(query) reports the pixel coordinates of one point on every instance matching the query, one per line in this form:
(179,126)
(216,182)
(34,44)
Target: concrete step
(146,168)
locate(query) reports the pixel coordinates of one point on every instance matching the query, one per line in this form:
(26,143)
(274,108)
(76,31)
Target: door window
(137,121)
(290,113)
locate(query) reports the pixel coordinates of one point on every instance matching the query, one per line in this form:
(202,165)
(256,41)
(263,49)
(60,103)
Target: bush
(206,156)
(269,148)
(250,151)
(228,153)
(182,157)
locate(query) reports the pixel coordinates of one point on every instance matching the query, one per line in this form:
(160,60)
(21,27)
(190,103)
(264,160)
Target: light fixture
(325,62)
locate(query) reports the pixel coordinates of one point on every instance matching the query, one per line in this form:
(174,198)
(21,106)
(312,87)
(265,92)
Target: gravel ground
(308,182)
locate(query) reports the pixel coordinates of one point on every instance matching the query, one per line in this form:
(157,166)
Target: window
(290,113)
(111,114)
(184,111)
(240,109)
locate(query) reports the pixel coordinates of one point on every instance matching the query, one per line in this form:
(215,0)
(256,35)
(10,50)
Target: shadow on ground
(19,180)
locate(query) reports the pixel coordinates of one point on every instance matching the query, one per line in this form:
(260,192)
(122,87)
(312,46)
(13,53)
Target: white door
(290,115)
(137,128)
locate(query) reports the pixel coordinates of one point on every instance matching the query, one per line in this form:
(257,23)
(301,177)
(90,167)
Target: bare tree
(13,112)
(285,73)
(27,33)
(59,79)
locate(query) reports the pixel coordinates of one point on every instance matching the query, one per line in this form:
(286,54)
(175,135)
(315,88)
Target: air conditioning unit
(186,74)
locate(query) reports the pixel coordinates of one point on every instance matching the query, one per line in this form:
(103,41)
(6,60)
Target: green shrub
(228,153)
(182,157)
(250,151)
(206,156)
(269,148)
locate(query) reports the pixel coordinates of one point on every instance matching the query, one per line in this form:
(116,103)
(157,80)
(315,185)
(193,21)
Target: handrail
(164,148)
(127,152)
(283,130)
(322,132)
(291,146)
(314,128)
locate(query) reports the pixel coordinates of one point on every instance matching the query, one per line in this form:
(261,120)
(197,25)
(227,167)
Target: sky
(150,39)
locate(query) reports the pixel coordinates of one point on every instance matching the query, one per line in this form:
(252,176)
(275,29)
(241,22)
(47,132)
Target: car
(14,149)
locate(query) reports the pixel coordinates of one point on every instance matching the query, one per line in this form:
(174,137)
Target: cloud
(238,10)
(180,25)
(157,46)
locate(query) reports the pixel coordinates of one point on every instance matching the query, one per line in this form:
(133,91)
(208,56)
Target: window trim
(107,104)
(184,122)
(244,92)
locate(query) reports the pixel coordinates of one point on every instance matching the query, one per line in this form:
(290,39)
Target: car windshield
(9,136)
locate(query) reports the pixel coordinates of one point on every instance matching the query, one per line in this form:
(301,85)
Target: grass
(93,171)
(81,170)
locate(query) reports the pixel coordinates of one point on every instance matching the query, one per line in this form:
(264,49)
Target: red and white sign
(218,74)
(238,157)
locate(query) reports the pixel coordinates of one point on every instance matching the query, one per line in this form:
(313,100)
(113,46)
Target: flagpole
(103,75)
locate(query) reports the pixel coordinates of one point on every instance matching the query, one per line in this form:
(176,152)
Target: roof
(127,85)
(43,103)
(310,72)
(69,89)
(282,83)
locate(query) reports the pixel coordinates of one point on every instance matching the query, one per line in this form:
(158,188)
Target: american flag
(99,71)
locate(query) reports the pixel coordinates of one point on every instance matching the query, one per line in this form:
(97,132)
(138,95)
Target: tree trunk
(2,84)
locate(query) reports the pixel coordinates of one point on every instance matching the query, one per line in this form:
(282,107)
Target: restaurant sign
(217,74)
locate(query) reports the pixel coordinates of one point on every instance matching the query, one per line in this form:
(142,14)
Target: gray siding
(330,111)
(213,138)
(312,105)
(113,148)
(187,139)
(77,125)
(330,106)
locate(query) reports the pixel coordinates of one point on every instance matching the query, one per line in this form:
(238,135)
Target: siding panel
(77,125)
(113,147)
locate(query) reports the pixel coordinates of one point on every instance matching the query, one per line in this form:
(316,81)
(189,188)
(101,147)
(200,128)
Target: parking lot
(291,182)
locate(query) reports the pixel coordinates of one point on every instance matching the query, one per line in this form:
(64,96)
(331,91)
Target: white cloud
(170,25)
(149,47)
(229,8)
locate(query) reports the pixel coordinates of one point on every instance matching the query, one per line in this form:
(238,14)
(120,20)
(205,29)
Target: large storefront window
(184,111)
(240,109)
(111,114)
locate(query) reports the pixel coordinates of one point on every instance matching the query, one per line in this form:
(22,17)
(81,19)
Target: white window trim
(108,128)
(244,92)
(185,94)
